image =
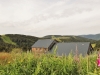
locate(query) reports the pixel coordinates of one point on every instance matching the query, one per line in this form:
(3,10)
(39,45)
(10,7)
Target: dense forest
(5,46)
(10,41)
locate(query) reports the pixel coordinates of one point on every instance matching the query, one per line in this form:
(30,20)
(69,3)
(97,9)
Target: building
(43,46)
(66,48)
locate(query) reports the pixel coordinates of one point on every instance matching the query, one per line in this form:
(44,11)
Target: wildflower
(9,62)
(98,60)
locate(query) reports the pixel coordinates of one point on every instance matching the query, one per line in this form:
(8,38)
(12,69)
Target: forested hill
(10,41)
(68,38)
(92,36)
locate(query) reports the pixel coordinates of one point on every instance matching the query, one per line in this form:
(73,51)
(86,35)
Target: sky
(49,17)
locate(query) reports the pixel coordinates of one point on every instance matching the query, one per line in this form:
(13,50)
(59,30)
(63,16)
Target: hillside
(69,38)
(10,41)
(7,40)
(91,36)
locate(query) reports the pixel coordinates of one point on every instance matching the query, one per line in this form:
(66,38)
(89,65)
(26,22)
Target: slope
(91,36)
(68,38)
(6,39)
(10,41)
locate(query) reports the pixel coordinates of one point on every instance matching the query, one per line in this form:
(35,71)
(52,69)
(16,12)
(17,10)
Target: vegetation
(5,47)
(18,62)
(68,38)
(94,45)
(59,38)
(95,36)
(98,44)
(10,41)
(48,64)
(7,40)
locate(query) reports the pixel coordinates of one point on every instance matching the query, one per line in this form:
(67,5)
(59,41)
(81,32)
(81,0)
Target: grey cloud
(7,24)
(53,12)
(89,30)
(65,31)
(41,17)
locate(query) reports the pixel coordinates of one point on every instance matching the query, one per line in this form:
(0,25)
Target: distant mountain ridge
(92,36)
(67,38)
(10,41)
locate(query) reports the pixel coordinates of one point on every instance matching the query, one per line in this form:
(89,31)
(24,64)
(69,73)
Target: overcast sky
(49,17)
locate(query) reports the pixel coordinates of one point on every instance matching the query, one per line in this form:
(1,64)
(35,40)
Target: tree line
(25,42)
(22,41)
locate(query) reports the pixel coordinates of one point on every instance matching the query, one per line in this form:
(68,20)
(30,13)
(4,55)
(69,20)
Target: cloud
(36,17)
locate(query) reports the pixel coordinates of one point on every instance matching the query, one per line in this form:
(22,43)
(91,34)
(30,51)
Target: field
(48,64)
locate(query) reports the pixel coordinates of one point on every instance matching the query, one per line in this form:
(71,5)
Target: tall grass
(47,64)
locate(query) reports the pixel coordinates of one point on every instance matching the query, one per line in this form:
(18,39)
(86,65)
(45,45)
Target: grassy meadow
(21,63)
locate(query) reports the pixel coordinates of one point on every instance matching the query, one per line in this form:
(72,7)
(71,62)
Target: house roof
(66,48)
(43,43)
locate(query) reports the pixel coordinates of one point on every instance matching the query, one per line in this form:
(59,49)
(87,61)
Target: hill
(6,39)
(68,38)
(91,36)
(24,42)
(10,41)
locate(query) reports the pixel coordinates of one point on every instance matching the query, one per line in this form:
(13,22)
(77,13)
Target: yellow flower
(9,62)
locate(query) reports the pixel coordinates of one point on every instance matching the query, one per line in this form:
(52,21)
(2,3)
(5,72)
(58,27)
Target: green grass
(47,64)
(6,39)
(63,37)
(59,38)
